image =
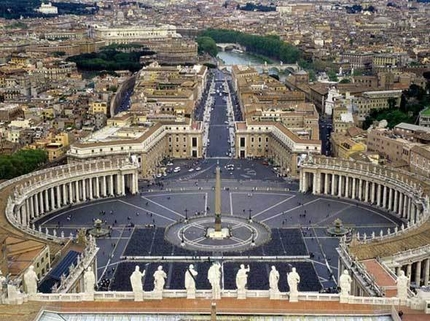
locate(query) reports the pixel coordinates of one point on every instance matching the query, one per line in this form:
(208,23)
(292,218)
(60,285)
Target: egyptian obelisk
(218,199)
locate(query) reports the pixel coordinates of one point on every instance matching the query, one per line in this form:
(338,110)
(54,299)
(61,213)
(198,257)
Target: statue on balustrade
(159,279)
(214,277)
(136,280)
(30,281)
(3,285)
(293,279)
(345,283)
(242,277)
(402,285)
(89,281)
(274,279)
(190,278)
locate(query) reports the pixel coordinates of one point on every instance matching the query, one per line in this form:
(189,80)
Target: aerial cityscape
(182,160)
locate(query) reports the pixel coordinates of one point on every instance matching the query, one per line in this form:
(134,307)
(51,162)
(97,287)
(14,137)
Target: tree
(21,162)
(332,75)
(207,45)
(345,81)
(391,102)
(268,46)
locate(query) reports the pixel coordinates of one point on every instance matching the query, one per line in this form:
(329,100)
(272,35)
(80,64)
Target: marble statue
(2,285)
(345,283)
(136,279)
(89,281)
(402,285)
(214,277)
(190,278)
(293,279)
(242,277)
(30,281)
(274,279)
(159,279)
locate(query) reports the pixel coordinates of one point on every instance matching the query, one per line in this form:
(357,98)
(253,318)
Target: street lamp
(186,215)
(250,216)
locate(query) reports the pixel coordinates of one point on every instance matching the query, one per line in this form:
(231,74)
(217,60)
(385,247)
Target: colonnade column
(418,274)
(346,186)
(23,214)
(326,177)
(78,192)
(408,208)
(378,195)
(396,204)
(41,203)
(59,198)
(303,190)
(390,200)
(46,200)
(333,183)
(353,188)
(111,189)
(372,193)
(366,191)
(97,187)
(122,184)
(409,271)
(53,198)
(36,205)
(360,189)
(32,209)
(104,187)
(426,271)
(84,189)
(384,197)
(90,185)
(401,196)
(70,193)
(339,189)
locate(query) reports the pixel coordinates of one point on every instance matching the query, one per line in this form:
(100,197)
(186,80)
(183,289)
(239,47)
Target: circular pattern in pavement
(244,234)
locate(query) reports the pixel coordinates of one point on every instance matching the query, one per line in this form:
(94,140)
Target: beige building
(393,147)
(21,253)
(420,160)
(274,141)
(98,107)
(168,90)
(147,139)
(130,34)
(376,100)
(345,146)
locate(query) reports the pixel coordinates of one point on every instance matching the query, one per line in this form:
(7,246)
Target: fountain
(337,229)
(98,230)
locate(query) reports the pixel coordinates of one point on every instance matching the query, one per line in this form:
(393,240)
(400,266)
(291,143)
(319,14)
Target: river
(242,58)
(238,58)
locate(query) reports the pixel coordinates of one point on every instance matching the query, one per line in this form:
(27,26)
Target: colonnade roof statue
(30,281)
(159,279)
(136,279)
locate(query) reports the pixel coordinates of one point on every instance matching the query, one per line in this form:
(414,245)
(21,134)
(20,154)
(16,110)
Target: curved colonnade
(401,193)
(391,189)
(40,193)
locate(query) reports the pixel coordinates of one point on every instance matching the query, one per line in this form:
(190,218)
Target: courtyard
(296,222)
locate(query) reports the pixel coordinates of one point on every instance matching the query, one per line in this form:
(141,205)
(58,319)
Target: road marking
(158,204)
(275,205)
(334,214)
(291,209)
(149,211)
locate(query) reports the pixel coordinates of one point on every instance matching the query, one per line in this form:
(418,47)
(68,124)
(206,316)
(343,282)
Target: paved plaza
(138,225)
